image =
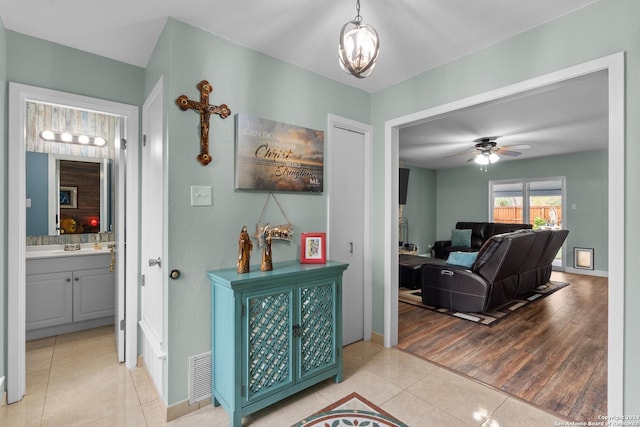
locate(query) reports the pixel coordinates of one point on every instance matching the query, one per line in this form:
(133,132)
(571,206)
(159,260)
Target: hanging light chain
(358,18)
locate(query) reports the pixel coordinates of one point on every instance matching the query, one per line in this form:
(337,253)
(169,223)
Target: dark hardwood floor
(552,353)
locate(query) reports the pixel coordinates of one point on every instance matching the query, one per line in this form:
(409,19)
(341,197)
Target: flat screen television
(404,183)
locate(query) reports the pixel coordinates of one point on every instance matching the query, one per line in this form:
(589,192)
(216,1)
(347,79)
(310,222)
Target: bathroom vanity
(68,291)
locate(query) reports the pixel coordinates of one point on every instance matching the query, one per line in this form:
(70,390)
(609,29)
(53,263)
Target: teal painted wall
(603,28)
(205,238)
(420,209)
(41,63)
(463,195)
(3,198)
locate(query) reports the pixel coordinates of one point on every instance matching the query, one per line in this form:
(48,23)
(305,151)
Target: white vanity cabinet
(49,299)
(68,293)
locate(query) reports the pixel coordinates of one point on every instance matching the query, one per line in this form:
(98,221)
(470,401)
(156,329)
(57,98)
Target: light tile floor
(75,380)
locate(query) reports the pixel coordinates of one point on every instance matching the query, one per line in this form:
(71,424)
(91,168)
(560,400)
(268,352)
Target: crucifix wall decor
(205,110)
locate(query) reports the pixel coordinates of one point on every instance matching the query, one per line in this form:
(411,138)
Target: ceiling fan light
(481,159)
(493,157)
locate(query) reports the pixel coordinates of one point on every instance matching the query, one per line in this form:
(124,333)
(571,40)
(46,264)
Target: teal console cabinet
(274,333)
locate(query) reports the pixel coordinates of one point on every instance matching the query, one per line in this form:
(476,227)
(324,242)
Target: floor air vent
(199,377)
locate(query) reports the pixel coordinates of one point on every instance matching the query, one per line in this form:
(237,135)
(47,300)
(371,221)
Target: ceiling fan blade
(517,146)
(464,153)
(508,152)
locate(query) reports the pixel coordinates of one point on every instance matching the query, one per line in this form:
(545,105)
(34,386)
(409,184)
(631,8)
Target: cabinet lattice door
(269,343)
(317,320)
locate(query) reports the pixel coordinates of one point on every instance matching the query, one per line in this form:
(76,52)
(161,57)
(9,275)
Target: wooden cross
(205,111)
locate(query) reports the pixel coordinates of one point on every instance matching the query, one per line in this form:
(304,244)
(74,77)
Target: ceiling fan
(486,151)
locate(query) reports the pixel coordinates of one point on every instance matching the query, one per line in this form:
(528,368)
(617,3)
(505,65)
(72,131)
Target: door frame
(614,64)
(367,131)
(19,94)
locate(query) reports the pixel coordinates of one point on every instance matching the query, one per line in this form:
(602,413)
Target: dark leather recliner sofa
(507,266)
(480,232)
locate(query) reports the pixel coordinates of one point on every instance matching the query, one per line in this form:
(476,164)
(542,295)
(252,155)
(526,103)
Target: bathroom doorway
(124,135)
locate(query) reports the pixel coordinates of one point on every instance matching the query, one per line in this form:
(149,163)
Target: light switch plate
(200,195)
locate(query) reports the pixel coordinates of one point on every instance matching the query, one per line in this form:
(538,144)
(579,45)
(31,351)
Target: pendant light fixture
(359,47)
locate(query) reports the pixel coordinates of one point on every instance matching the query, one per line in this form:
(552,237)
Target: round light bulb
(47,135)
(66,137)
(83,139)
(99,141)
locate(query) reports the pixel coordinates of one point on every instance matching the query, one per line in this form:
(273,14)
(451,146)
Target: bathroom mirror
(67,195)
(69,182)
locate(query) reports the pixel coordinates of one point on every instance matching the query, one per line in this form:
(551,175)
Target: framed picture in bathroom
(68,197)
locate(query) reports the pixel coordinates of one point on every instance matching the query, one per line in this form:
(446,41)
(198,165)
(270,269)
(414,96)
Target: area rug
(491,318)
(352,410)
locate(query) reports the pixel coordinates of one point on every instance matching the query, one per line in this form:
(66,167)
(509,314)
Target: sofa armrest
(439,249)
(455,288)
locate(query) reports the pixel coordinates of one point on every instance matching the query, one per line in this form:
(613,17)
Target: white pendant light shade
(358,49)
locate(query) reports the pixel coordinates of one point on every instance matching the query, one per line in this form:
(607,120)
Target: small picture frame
(583,258)
(68,197)
(313,248)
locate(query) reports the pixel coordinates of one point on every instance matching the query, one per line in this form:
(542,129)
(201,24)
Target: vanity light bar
(70,138)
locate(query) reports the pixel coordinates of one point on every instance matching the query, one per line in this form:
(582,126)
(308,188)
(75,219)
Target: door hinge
(123,144)
(242,391)
(122,324)
(241,310)
(144,140)
(142,281)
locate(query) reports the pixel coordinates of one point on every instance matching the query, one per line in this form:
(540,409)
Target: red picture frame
(313,248)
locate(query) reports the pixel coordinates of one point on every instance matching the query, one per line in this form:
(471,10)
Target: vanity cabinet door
(49,299)
(93,294)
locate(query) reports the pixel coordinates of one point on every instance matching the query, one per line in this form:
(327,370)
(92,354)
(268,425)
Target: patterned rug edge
(351,410)
(490,318)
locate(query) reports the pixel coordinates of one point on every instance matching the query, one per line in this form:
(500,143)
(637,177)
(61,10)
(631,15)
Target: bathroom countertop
(57,251)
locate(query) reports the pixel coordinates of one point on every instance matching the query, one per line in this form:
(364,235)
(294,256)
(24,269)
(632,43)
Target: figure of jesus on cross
(205,111)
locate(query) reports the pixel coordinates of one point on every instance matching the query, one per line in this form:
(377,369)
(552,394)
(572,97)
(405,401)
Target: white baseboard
(599,273)
(3,395)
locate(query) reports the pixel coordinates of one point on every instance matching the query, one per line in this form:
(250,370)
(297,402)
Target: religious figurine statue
(264,236)
(245,246)
(267,262)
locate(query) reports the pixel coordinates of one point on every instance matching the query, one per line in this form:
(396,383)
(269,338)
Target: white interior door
(346,225)
(119,172)
(152,238)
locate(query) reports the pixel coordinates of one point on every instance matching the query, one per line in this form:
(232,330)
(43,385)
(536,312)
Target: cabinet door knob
(76,279)
(297,331)
(68,279)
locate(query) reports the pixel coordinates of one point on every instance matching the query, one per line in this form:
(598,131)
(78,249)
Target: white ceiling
(558,119)
(416,35)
